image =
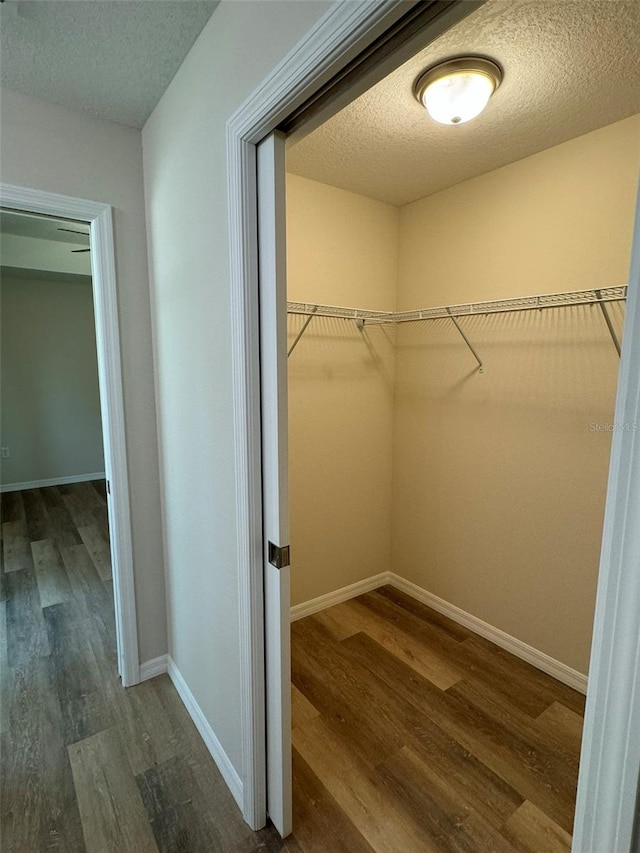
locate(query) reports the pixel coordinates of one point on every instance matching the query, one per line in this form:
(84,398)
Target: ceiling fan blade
(76,251)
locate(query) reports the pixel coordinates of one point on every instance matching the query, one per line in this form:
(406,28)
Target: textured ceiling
(112,58)
(43,228)
(570,66)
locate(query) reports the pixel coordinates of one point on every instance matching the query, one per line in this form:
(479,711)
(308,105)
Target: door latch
(279,555)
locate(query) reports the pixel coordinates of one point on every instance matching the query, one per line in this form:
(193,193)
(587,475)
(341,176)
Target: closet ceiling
(569,68)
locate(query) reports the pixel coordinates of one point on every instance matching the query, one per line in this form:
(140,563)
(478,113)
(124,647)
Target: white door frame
(272,273)
(610,756)
(611,751)
(103,276)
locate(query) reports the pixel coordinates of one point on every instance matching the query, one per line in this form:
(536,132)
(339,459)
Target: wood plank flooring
(86,765)
(410,733)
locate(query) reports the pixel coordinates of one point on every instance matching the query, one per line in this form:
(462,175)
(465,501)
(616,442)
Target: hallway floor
(87,765)
(412,734)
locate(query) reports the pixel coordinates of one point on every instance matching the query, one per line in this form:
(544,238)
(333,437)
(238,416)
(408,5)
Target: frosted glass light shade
(458,90)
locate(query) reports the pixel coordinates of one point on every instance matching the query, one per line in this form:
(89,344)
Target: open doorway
(69,632)
(57,570)
(309,306)
(94,248)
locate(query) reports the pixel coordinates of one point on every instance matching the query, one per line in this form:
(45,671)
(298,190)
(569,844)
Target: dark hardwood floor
(410,733)
(87,765)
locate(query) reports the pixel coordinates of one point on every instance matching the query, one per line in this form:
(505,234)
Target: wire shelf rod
(338,312)
(496,306)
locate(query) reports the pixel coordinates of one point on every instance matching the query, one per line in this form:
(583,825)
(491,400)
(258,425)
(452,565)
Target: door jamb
(103,279)
(340,35)
(610,754)
(346,30)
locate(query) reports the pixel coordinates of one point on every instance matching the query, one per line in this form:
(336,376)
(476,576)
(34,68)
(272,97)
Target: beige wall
(568,209)
(342,249)
(49,400)
(500,479)
(186,191)
(55,149)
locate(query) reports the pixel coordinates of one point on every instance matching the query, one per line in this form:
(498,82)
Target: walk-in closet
(456,300)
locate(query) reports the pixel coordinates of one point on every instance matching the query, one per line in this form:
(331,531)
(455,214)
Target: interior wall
(186,193)
(342,249)
(50,398)
(500,479)
(558,220)
(52,148)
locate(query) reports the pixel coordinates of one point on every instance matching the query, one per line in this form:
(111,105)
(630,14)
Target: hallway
(87,765)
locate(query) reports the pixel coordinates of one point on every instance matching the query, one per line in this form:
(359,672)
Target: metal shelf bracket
(466,340)
(305,325)
(607,320)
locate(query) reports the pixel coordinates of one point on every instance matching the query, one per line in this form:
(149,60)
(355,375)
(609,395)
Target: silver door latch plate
(279,555)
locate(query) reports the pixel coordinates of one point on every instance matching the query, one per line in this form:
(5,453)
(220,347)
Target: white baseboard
(55,481)
(520,649)
(315,605)
(223,763)
(155,666)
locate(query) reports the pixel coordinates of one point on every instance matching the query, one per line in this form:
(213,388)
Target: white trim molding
(165,664)
(544,662)
(330,599)
(518,648)
(54,481)
(105,302)
(154,667)
(610,760)
(342,34)
(217,752)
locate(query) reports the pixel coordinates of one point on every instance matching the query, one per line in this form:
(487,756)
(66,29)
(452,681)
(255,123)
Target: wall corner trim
(153,667)
(330,599)
(216,750)
(545,663)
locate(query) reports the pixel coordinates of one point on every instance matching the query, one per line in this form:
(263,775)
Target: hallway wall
(52,148)
(186,195)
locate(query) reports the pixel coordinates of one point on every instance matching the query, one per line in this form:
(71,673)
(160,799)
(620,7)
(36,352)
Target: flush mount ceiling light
(459,89)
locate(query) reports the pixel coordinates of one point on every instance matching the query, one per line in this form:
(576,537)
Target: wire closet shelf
(595,296)
(521,303)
